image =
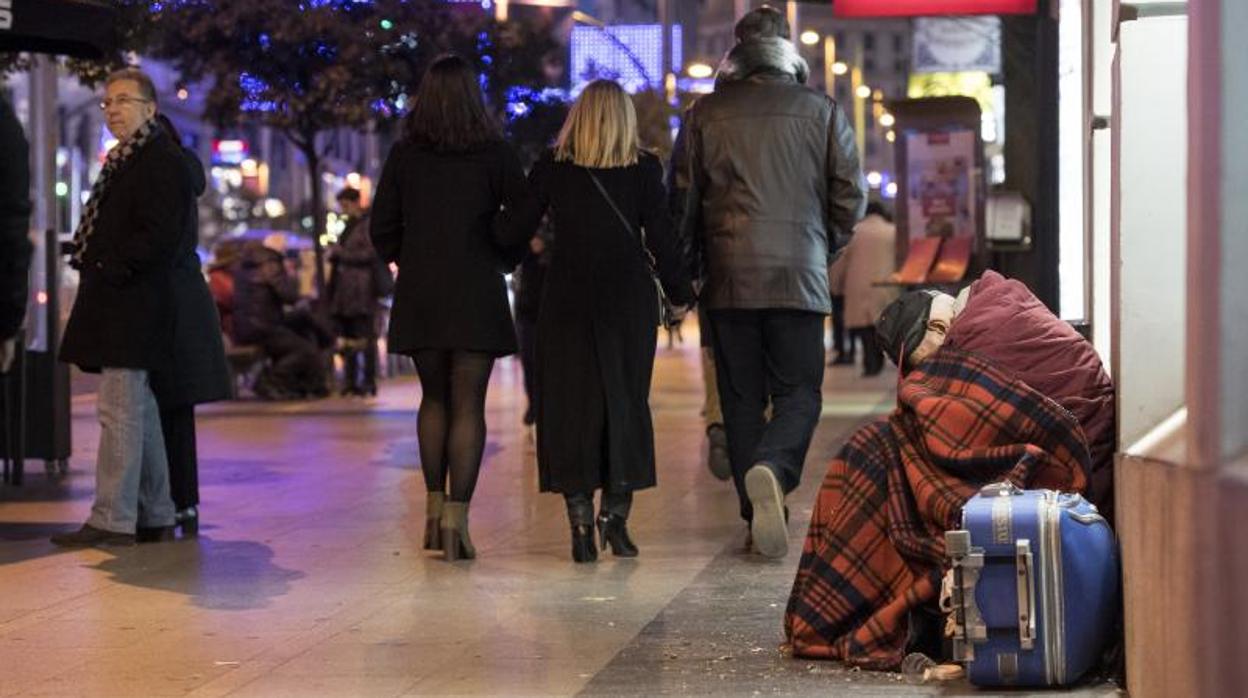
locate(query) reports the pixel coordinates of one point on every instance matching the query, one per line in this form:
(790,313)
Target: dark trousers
(838,327)
(360,367)
(761,357)
(178,426)
(872,355)
(526,335)
(297,366)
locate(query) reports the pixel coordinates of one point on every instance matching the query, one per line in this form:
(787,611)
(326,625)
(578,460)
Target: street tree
(330,64)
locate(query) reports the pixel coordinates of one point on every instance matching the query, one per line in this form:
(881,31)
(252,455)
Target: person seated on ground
(262,289)
(225,257)
(993,388)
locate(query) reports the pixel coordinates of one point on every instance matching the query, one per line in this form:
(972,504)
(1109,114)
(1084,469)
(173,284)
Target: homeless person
(993,387)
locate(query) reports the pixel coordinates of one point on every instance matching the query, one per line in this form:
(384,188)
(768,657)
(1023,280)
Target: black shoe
(154,534)
(188,520)
(583,549)
(717,459)
(90,537)
(613,531)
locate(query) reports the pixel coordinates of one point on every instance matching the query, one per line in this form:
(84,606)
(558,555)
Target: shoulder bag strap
(641,238)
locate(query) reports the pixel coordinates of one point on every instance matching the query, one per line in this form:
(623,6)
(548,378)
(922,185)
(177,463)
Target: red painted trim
(1204,206)
(921,8)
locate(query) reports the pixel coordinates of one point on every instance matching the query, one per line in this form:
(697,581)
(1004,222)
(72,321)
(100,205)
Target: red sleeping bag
(1006,324)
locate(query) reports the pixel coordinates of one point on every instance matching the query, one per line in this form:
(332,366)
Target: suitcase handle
(1000,489)
(1024,564)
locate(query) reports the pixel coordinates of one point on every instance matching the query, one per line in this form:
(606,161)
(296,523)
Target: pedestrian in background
(358,281)
(769,177)
(263,288)
(198,372)
(870,257)
(14,231)
(441,189)
(599,318)
(532,278)
(122,321)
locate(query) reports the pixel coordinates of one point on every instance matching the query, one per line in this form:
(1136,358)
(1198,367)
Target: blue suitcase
(1035,586)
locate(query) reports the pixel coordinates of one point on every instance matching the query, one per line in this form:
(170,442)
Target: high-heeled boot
(456,544)
(433,520)
(581,516)
(613,531)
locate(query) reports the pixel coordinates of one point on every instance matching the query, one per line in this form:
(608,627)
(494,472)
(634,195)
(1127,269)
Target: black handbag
(666,312)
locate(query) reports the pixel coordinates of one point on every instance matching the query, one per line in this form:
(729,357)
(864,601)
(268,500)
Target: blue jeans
(131,471)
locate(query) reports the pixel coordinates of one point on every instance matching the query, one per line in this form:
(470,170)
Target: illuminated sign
(922,8)
(229,152)
(630,54)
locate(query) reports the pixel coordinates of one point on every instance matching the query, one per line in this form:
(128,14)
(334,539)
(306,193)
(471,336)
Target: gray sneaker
(91,537)
(717,452)
(768,529)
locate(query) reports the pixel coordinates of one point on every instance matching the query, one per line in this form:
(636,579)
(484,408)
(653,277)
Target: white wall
(1151,281)
(1100,72)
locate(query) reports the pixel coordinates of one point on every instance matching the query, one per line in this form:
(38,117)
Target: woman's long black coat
(598,322)
(200,373)
(435,215)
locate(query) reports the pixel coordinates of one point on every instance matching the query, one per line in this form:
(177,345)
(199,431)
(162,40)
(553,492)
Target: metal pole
(665,21)
(860,111)
(43,142)
(795,22)
(829,65)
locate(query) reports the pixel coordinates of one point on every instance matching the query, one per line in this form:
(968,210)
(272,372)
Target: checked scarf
(121,155)
(875,549)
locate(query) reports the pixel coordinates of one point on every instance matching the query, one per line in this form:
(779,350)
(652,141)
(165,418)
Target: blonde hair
(601,128)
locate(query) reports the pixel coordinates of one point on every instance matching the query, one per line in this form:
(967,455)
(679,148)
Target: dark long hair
(449,114)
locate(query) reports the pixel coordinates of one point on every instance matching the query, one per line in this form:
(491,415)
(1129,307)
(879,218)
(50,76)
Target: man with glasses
(122,321)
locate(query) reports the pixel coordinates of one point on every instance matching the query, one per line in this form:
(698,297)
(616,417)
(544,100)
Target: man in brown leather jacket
(765,179)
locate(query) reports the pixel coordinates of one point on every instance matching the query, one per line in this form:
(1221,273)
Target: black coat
(123,316)
(353,289)
(766,180)
(597,323)
(435,215)
(262,289)
(200,373)
(14,222)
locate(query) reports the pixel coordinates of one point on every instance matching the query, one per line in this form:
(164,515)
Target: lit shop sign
(6,14)
(229,152)
(928,8)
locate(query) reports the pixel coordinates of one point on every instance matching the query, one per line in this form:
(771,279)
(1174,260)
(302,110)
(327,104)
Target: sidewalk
(309,578)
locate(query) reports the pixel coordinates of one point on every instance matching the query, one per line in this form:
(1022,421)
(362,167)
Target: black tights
(451,421)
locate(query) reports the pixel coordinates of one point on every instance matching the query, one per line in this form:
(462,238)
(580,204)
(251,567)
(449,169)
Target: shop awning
(80,28)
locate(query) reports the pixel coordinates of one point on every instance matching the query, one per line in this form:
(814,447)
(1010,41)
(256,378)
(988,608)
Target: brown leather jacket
(765,178)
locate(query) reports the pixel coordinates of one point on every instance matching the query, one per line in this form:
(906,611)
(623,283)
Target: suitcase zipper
(1054,632)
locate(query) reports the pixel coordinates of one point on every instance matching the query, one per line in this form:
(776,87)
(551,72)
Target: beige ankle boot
(433,520)
(455,541)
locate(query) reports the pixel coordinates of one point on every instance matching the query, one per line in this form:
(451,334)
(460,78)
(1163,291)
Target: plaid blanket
(875,548)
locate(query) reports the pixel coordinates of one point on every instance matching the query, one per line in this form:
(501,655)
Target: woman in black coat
(441,189)
(200,373)
(597,324)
